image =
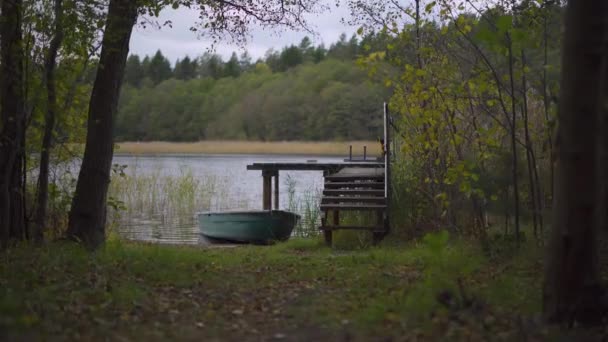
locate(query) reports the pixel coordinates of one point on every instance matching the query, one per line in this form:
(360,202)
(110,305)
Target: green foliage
(302,92)
(454,108)
(324,101)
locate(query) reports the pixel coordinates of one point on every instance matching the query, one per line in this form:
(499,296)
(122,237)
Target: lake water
(162,194)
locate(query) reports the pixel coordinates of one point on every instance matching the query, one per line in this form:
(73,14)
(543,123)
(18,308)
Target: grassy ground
(251,147)
(299,290)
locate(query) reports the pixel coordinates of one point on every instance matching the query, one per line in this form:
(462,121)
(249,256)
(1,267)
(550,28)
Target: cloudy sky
(178,41)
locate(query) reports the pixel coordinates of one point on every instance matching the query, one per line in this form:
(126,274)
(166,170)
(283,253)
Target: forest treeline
(302,92)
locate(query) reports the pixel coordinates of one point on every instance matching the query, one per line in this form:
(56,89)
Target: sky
(178,41)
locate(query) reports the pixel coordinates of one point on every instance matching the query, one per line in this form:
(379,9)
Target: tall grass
(157,207)
(154,193)
(307,205)
(251,147)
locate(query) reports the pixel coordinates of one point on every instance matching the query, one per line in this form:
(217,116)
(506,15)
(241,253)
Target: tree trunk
(529,146)
(49,124)
(571,275)
(87,217)
(546,7)
(12,127)
(513,123)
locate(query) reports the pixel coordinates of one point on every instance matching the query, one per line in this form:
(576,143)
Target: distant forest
(302,92)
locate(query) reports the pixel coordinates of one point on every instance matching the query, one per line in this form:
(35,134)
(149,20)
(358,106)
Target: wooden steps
(354,190)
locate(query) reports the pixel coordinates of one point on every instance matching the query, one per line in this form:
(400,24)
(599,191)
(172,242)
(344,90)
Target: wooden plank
(312,166)
(361,199)
(359,171)
(339,178)
(349,192)
(352,206)
(372,228)
(338,185)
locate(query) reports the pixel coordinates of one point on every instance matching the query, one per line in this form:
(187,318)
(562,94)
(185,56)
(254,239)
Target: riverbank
(299,290)
(251,147)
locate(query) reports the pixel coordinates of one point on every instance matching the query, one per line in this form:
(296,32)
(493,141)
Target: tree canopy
(288,95)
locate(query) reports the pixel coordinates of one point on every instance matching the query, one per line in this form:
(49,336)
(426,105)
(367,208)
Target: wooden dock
(348,186)
(270,175)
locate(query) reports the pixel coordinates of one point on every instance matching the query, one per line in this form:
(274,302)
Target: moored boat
(255,226)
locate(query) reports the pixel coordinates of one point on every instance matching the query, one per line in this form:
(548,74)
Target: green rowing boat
(259,226)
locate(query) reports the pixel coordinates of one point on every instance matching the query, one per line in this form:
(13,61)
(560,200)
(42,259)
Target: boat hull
(248,226)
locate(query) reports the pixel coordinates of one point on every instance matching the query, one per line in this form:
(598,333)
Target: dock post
(364,152)
(266,190)
(276,190)
(350,152)
(328,233)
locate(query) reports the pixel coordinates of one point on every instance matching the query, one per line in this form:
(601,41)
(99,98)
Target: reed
(306,204)
(165,197)
(251,147)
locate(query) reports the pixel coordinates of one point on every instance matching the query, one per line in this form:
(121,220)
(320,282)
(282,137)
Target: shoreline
(301,148)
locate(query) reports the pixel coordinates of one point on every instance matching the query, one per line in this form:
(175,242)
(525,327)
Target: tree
(571,288)
(245,61)
(307,49)
(290,57)
(232,68)
(145,64)
(134,71)
(159,69)
(12,128)
(211,65)
(319,54)
(272,59)
(343,49)
(185,69)
(87,216)
(50,64)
